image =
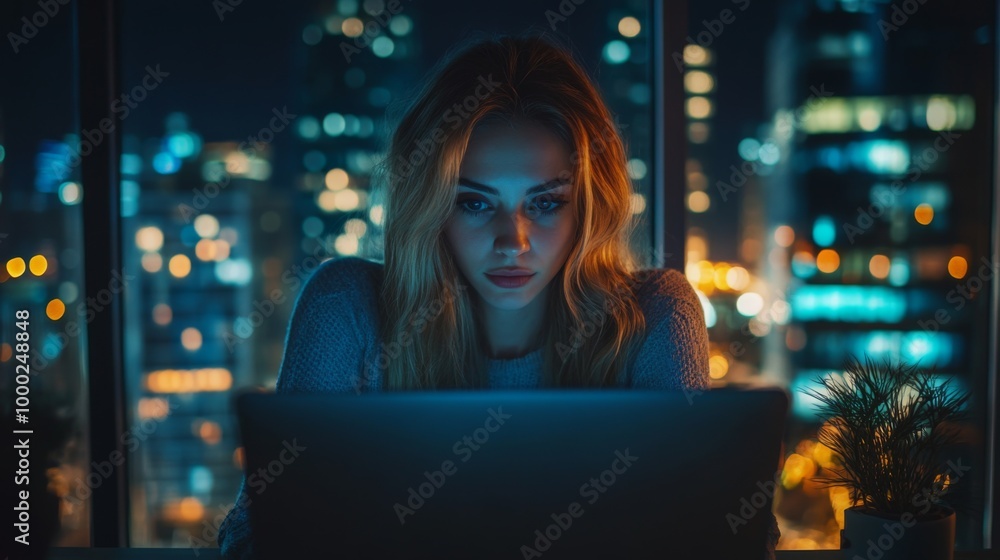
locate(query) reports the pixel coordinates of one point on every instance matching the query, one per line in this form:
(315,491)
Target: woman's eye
(545,206)
(469,206)
(549,205)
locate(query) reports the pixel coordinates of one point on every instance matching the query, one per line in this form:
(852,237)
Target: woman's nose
(512,237)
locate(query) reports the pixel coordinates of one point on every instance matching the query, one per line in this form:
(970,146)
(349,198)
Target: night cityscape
(840,179)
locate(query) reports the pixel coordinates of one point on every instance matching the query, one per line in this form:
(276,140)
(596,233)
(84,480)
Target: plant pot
(871,535)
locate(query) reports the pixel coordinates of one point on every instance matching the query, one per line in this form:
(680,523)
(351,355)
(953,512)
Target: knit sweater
(333,339)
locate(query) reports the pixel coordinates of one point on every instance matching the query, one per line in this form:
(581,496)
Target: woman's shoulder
(332,328)
(674,354)
(660,290)
(352,276)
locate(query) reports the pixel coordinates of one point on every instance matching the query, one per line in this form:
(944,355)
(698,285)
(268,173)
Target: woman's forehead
(527,150)
(549,185)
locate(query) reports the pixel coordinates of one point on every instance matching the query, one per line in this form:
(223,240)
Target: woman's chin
(504,299)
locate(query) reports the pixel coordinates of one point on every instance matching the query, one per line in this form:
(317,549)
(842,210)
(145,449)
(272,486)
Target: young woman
(507,260)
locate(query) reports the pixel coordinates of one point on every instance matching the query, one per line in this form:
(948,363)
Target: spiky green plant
(888,423)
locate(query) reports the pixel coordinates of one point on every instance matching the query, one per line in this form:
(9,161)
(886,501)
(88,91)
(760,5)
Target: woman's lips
(510,281)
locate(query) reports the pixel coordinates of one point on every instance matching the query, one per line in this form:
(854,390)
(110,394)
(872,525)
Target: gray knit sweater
(333,339)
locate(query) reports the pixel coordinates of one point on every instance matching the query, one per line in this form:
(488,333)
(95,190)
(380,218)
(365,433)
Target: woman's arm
(332,325)
(324,350)
(675,352)
(235,541)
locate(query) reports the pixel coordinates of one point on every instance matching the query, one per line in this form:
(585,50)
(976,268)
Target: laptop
(513,474)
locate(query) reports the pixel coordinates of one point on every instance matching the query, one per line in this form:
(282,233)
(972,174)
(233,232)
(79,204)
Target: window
(44,313)
(839,186)
(247,145)
(249,163)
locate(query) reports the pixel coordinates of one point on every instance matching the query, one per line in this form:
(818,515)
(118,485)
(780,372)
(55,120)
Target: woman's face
(513,209)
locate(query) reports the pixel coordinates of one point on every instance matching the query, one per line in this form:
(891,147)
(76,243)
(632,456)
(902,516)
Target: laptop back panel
(513,474)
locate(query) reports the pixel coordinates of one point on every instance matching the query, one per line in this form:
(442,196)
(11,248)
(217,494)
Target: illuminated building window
(824,231)
(958,267)
(38,265)
(784,236)
(15,267)
(162,314)
(698,132)
(149,238)
(616,52)
(879,266)
(180,266)
(55,309)
(699,107)
(695,55)
(697,81)
(191,339)
(698,201)
(629,26)
(827,260)
(923,214)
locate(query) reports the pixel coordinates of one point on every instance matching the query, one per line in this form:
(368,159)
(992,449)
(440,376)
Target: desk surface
(213,554)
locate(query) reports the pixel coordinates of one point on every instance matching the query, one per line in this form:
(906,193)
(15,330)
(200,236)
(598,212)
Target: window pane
(802,116)
(248,150)
(41,269)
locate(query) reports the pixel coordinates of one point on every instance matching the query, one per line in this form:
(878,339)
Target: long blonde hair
(594,325)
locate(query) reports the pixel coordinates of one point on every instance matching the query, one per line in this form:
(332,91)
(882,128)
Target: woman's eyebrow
(546,186)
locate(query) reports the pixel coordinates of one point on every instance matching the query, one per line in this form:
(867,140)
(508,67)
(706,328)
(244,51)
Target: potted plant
(889,425)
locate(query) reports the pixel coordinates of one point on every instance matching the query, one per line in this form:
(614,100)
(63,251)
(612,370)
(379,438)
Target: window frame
(99,81)
(991,524)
